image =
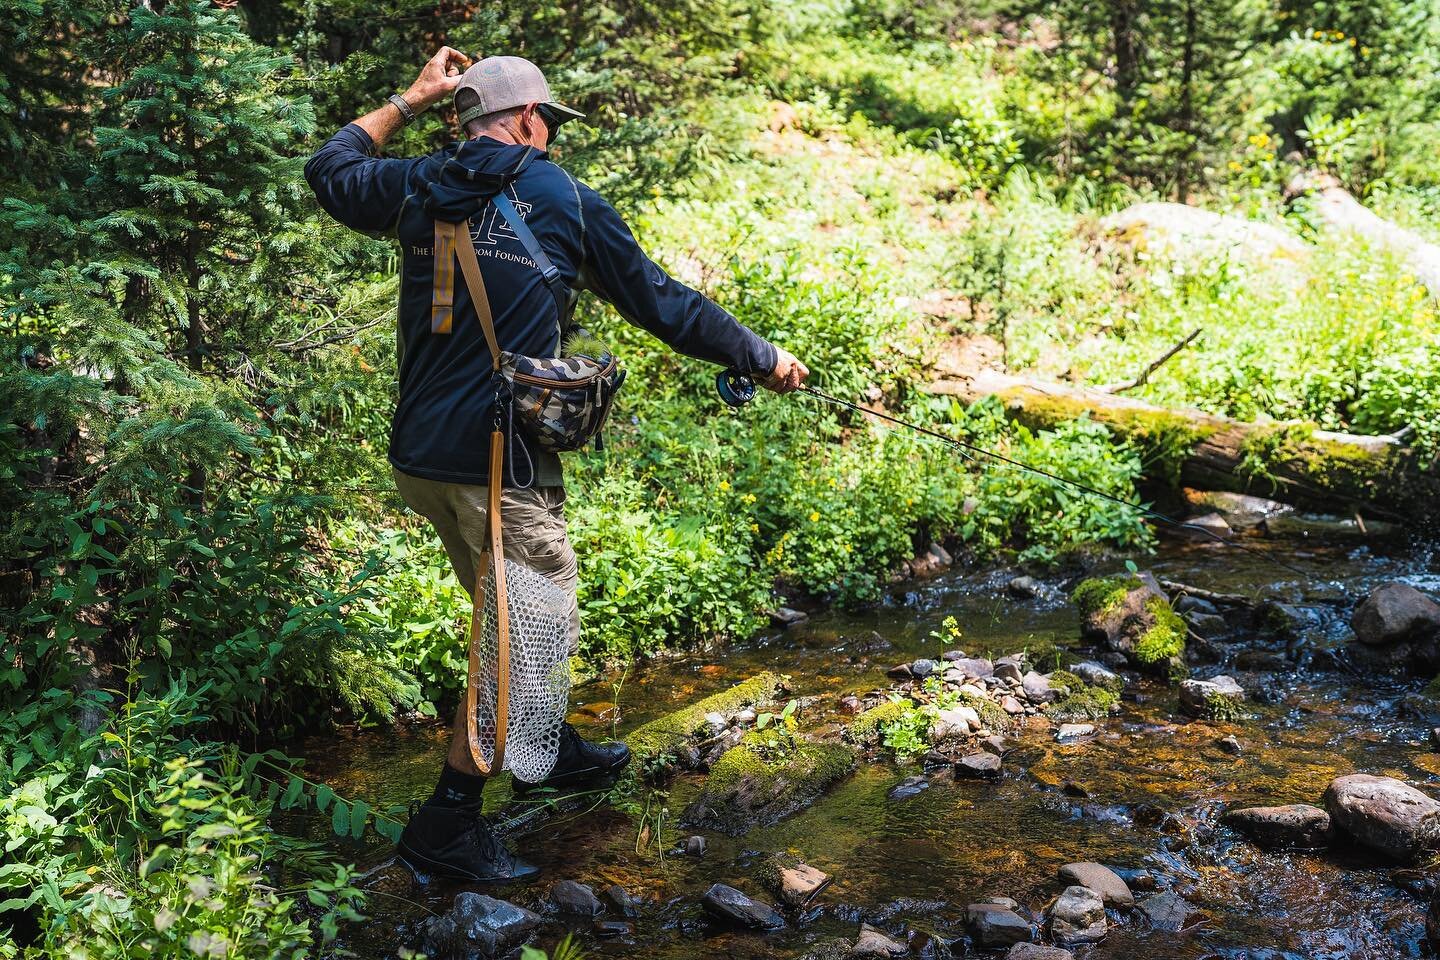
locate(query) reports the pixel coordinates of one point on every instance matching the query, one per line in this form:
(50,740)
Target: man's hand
(789,373)
(438,80)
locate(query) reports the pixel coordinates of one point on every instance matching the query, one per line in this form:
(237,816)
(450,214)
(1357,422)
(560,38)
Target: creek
(1145,792)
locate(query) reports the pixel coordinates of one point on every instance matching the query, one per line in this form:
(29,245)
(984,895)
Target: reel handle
(735,388)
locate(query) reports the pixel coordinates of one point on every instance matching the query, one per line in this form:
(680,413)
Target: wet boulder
(1070,732)
(1114,891)
(872,943)
(978,766)
(732,906)
(573,898)
(1038,951)
(954,723)
(791,880)
(1098,675)
(1399,625)
(1168,911)
(1077,916)
(1294,825)
(1384,814)
(1205,527)
(620,901)
(1025,588)
(477,924)
(1218,698)
(995,925)
(783,617)
(1037,687)
(1131,616)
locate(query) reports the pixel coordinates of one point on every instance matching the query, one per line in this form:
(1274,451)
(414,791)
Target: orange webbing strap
(494,551)
(442,296)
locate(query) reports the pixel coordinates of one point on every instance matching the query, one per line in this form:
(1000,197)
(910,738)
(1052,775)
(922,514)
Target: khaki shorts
(533,531)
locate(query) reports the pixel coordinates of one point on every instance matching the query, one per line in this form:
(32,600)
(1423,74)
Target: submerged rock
(993,925)
(873,943)
(1297,825)
(1074,731)
(574,898)
(1218,698)
(1389,817)
(1230,745)
(907,788)
(1038,951)
(1024,588)
(726,903)
(474,923)
(1133,617)
(1114,891)
(1167,911)
(1077,916)
(978,766)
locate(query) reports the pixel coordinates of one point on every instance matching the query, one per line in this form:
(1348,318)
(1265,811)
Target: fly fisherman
(439,437)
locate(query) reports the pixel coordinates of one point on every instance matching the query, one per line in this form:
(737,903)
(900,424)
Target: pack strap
(548,271)
(458,240)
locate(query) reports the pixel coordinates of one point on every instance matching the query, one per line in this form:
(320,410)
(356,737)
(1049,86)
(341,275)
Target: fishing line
(737,390)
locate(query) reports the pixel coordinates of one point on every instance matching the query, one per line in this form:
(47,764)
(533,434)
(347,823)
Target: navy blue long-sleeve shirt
(444,416)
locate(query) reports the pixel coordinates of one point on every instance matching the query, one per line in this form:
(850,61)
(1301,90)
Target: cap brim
(563,113)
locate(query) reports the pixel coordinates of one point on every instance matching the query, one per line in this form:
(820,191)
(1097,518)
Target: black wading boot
(457,842)
(580,762)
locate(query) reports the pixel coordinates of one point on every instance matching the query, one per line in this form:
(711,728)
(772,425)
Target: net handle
(494,550)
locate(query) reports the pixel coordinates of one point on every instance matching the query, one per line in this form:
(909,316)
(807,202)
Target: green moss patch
(667,734)
(1081,701)
(991,714)
(1164,639)
(867,728)
(755,784)
(1100,596)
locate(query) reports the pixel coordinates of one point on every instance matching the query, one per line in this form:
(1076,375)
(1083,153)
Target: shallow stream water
(1146,792)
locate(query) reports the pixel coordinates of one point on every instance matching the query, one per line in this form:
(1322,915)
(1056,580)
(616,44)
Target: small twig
(1144,377)
(1224,599)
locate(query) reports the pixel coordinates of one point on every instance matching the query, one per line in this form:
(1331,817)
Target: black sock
(456,789)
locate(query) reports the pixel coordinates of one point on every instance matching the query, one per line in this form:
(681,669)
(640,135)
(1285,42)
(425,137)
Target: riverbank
(1144,793)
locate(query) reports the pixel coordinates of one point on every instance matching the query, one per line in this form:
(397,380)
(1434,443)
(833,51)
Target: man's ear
(527,121)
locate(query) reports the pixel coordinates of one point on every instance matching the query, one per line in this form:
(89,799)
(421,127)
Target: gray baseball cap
(501,83)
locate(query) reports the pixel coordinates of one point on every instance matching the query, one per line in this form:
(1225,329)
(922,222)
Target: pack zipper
(530,378)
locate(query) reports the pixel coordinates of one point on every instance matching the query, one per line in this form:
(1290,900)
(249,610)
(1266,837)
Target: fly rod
(738,389)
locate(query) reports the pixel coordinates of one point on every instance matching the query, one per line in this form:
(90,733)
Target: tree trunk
(1289,461)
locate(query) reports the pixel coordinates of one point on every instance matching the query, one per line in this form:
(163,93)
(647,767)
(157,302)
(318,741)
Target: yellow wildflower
(724,486)
(814,516)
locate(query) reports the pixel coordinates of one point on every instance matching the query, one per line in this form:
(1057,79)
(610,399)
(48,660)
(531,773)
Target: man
(439,441)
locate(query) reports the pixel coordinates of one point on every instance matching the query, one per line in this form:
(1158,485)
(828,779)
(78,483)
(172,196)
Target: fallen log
(1291,461)
(1341,211)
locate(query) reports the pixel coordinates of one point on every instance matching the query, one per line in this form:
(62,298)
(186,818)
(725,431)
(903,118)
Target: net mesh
(539,671)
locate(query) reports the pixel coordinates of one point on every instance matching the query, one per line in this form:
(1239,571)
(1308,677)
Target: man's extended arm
(353,186)
(619,271)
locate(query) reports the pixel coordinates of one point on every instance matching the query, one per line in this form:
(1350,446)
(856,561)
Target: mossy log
(1291,461)
(670,733)
(756,783)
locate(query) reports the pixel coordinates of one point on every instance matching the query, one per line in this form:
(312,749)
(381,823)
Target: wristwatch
(407,112)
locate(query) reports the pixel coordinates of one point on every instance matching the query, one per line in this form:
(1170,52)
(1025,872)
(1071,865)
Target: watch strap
(407,112)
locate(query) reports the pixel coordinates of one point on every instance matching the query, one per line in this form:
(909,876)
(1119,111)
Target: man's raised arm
(358,189)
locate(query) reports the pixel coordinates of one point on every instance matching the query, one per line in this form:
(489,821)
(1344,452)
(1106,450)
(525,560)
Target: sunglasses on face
(548,117)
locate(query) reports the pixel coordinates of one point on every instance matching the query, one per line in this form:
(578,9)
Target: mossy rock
(754,784)
(867,728)
(991,714)
(836,949)
(667,735)
(1131,615)
(1081,701)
